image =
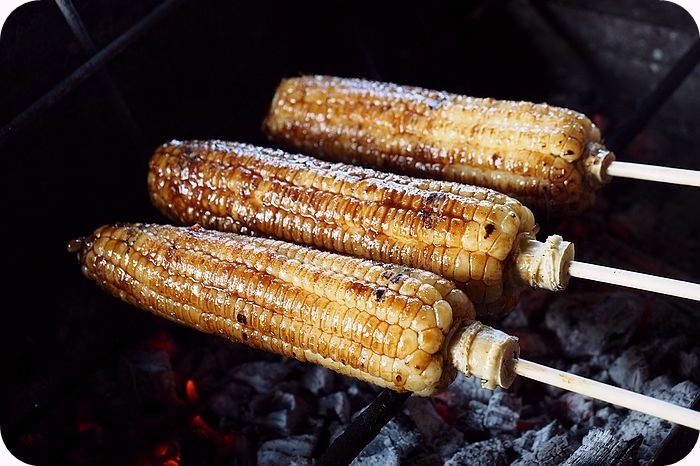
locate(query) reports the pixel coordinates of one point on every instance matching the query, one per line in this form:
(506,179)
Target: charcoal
(531,343)
(280,412)
(660,386)
(152,376)
(374,455)
(602,447)
(593,323)
(652,429)
(444,438)
(533,439)
(532,422)
(317,380)
(423,457)
(503,412)
(689,364)
(608,417)
(671,317)
(488,452)
(582,369)
(263,376)
(552,451)
(664,351)
(227,404)
(684,393)
(287,451)
(596,368)
(516,318)
(630,370)
(338,403)
(470,417)
(466,388)
(395,441)
(602,360)
(206,367)
(574,407)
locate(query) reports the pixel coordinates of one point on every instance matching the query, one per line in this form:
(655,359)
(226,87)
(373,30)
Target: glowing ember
(161,449)
(191,391)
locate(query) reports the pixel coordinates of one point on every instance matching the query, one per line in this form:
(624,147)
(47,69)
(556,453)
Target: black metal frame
(95,64)
(388,403)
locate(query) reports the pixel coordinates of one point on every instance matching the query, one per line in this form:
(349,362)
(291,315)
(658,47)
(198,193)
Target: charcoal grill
(92,87)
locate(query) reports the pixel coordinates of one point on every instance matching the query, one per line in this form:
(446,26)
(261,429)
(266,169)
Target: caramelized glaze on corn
(545,156)
(381,323)
(463,233)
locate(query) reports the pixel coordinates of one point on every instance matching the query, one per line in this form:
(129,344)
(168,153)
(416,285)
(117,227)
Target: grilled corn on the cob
(467,234)
(547,157)
(393,326)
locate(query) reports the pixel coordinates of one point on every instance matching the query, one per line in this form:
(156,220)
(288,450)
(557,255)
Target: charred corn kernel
(234,285)
(448,229)
(258,291)
(547,157)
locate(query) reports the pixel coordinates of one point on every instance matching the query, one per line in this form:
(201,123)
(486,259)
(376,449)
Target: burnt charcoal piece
(280,412)
(376,454)
(489,452)
(516,319)
(574,407)
(444,438)
(285,451)
(652,429)
(227,405)
(601,447)
(395,441)
(263,375)
(608,417)
(338,403)
(470,417)
(630,370)
(152,376)
(545,447)
(503,412)
(549,453)
(689,364)
(317,380)
(594,323)
(466,388)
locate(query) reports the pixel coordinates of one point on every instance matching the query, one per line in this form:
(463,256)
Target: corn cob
(467,234)
(547,157)
(393,326)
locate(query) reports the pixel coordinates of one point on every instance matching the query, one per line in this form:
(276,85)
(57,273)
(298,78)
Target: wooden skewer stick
(615,395)
(549,265)
(640,281)
(640,171)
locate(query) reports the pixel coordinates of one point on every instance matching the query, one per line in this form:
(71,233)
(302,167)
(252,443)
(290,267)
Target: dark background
(209,69)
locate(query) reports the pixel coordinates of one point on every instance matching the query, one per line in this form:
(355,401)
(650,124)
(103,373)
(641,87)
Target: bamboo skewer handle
(640,171)
(615,395)
(640,281)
